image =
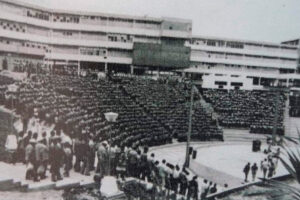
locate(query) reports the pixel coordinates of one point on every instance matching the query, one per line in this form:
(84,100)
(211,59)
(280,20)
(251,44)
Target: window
(235,45)
(220,83)
(211,43)
(236,84)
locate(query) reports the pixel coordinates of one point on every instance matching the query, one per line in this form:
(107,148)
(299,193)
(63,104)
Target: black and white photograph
(149,100)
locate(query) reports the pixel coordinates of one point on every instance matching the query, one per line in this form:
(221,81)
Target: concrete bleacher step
(66,184)
(7,184)
(40,186)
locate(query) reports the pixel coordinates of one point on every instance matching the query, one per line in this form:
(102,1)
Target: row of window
(238,45)
(38,15)
(238,84)
(239,56)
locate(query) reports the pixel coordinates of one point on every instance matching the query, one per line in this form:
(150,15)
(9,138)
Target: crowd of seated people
(170,104)
(76,104)
(76,107)
(247,109)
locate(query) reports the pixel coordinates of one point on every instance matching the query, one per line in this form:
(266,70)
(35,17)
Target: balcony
(258,52)
(21,50)
(78,27)
(77,57)
(245,62)
(64,41)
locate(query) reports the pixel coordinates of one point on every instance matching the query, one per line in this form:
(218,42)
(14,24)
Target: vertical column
(259,79)
(78,68)
(105,68)
(131,69)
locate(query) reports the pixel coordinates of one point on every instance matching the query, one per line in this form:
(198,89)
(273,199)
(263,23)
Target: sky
(258,20)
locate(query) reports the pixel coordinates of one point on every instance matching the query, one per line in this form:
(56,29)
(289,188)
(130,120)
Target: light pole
(110,117)
(187,155)
(109,186)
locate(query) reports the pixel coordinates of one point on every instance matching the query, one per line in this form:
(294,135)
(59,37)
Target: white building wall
(209,81)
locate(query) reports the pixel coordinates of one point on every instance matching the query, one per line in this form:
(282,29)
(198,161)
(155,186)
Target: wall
(210,79)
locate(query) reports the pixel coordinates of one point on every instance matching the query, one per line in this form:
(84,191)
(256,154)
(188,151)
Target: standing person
(44,138)
(42,157)
(246,171)
(56,160)
(68,158)
(86,153)
(27,138)
(162,173)
(264,167)
(51,138)
(254,169)
(92,153)
(121,166)
(175,179)
(193,189)
(20,153)
(204,189)
(271,170)
(30,160)
(132,165)
(213,189)
(144,164)
(183,183)
(102,155)
(79,154)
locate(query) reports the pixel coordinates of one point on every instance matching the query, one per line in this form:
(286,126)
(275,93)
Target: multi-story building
(131,44)
(30,33)
(230,63)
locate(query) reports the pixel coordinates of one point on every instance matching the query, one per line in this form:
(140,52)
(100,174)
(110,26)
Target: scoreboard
(163,55)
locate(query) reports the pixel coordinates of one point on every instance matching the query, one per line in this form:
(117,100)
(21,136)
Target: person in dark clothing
(44,140)
(213,189)
(27,138)
(246,171)
(56,154)
(51,138)
(271,170)
(144,168)
(86,158)
(193,189)
(121,165)
(254,169)
(183,183)
(79,153)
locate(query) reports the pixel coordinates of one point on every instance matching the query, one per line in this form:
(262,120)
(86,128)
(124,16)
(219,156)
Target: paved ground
(17,173)
(39,195)
(218,162)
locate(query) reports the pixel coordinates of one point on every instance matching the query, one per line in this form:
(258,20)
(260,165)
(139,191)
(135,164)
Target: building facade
(231,64)
(130,44)
(63,38)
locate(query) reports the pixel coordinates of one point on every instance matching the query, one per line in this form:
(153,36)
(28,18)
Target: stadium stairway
(242,135)
(208,108)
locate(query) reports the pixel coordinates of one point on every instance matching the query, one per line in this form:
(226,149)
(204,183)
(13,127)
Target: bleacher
(150,112)
(247,109)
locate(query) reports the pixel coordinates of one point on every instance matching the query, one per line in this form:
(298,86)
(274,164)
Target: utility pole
(187,156)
